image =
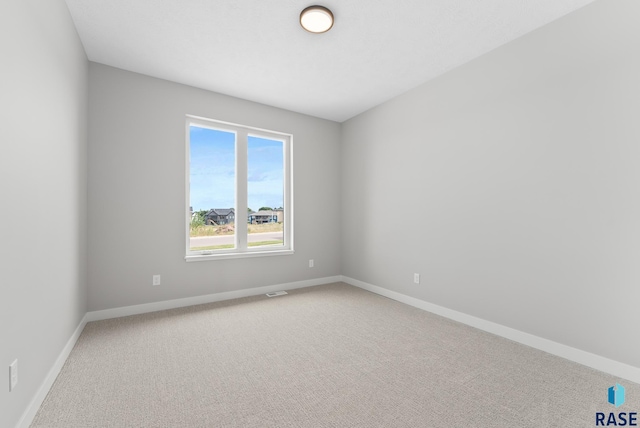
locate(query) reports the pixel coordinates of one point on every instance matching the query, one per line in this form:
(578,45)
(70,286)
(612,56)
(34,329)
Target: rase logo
(616,395)
(616,398)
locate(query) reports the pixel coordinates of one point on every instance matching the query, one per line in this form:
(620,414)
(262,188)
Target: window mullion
(288,195)
(241,190)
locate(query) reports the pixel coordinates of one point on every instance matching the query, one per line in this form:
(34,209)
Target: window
(238,187)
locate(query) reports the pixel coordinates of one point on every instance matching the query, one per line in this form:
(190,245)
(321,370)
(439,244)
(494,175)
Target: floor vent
(276,293)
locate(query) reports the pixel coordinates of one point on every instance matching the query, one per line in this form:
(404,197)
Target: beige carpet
(326,356)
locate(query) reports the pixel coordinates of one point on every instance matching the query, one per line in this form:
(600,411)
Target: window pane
(212,189)
(265,192)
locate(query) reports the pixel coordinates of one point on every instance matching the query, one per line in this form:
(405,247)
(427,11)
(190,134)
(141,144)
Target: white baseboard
(32,409)
(585,358)
(597,362)
(34,406)
(209,298)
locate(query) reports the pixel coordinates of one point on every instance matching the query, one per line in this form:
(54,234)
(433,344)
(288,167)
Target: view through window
(238,192)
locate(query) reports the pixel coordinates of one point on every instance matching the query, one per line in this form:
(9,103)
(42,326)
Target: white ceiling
(256,49)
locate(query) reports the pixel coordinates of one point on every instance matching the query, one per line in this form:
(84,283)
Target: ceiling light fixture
(316,19)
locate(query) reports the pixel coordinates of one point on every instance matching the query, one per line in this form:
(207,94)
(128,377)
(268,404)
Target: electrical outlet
(416,278)
(311,263)
(156,279)
(13,375)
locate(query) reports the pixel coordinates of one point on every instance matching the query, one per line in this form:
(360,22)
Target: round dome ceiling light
(316,19)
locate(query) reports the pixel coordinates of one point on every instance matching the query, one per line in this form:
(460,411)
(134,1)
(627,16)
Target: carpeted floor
(326,356)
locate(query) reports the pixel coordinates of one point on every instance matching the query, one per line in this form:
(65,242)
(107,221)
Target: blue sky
(213,170)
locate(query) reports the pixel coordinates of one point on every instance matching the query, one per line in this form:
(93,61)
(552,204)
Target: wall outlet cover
(13,375)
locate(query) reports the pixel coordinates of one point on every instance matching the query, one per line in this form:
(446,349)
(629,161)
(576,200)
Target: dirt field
(228,229)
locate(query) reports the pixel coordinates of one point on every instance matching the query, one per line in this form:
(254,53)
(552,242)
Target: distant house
(216,216)
(275,216)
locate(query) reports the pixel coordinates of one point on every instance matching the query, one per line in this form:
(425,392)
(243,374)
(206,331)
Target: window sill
(222,256)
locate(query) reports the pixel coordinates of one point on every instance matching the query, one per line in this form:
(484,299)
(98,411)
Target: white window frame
(242,249)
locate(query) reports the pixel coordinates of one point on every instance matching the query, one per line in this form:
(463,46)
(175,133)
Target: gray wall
(43,104)
(137,192)
(511,185)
